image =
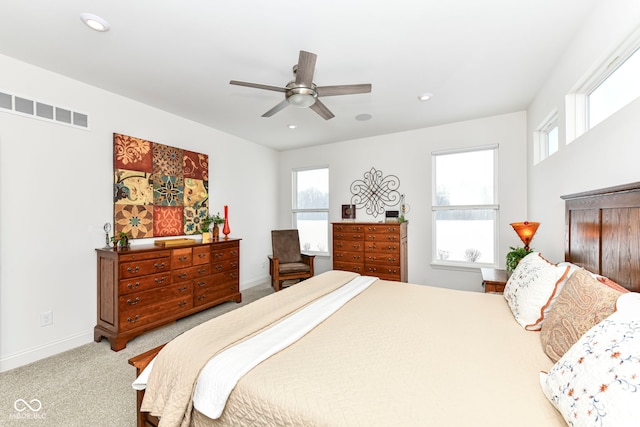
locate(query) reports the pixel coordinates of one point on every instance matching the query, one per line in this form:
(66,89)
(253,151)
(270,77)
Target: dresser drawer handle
(232,288)
(356,257)
(133,270)
(201,297)
(183,258)
(233,275)
(234,253)
(202,255)
(134,320)
(234,264)
(339,255)
(202,271)
(182,303)
(159,280)
(132,286)
(339,245)
(183,289)
(159,266)
(133,302)
(339,236)
(201,284)
(218,267)
(218,255)
(370,237)
(183,275)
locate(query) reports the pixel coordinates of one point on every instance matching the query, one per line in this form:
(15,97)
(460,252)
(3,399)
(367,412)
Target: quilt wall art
(158,190)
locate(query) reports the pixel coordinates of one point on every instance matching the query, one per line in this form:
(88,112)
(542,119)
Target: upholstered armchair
(287,261)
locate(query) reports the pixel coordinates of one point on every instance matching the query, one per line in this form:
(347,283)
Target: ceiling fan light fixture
(301,100)
(95,22)
(425,96)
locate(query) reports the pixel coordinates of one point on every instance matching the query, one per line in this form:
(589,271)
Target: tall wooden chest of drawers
(144,287)
(371,248)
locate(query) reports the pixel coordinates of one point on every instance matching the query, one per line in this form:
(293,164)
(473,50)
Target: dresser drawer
(348,228)
(137,284)
(348,256)
(210,294)
(126,256)
(347,237)
(225,265)
(343,245)
(383,272)
(383,258)
(348,266)
(182,257)
(381,247)
(373,237)
(142,268)
(139,300)
(189,273)
(383,229)
(201,255)
(163,311)
(224,252)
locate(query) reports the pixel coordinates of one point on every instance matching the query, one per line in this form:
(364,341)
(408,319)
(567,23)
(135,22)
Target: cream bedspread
(397,354)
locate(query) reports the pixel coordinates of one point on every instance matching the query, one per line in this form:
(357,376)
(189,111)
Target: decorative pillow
(531,288)
(610,283)
(582,302)
(597,382)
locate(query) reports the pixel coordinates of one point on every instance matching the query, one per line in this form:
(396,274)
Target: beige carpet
(90,385)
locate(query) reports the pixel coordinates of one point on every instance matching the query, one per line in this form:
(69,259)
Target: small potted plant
(205,223)
(514,257)
(122,239)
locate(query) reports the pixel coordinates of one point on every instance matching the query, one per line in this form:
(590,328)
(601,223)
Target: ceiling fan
(302,92)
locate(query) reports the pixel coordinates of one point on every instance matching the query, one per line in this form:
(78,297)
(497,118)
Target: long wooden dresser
(371,248)
(148,286)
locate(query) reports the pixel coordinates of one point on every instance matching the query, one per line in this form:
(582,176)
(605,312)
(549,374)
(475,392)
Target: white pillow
(597,381)
(531,289)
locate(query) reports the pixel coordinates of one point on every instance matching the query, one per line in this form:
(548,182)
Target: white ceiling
(477,57)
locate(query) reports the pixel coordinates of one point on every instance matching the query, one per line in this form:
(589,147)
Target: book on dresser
(371,248)
(147,286)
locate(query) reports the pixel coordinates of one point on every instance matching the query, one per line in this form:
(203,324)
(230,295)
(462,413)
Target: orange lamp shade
(525,230)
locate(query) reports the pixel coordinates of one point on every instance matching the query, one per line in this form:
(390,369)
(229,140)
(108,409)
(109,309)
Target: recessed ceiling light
(364,117)
(292,126)
(95,22)
(425,96)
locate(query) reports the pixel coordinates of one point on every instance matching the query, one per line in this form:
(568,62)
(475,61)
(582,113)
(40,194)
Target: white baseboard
(37,353)
(255,282)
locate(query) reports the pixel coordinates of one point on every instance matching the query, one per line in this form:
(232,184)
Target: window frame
(577,100)
(495,206)
(541,136)
(295,210)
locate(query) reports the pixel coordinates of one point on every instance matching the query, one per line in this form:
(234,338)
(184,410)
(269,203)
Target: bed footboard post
(144,419)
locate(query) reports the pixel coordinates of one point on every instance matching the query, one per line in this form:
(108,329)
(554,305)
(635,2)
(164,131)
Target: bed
(391,353)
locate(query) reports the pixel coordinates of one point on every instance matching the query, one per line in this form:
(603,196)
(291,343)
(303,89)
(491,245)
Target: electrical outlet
(46,318)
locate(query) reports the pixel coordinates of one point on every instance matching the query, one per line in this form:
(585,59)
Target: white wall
(56,193)
(605,156)
(408,156)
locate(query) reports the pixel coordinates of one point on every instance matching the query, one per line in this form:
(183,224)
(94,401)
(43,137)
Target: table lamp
(525,230)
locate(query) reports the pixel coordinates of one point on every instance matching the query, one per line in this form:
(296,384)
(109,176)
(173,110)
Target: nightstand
(493,280)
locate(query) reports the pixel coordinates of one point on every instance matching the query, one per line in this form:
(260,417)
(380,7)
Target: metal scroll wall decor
(375,192)
(158,190)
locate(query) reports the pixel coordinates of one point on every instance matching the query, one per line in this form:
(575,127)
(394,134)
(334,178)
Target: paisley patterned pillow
(597,381)
(531,289)
(582,302)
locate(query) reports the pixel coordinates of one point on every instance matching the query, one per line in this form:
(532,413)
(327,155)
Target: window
(546,137)
(600,94)
(311,209)
(465,209)
(620,88)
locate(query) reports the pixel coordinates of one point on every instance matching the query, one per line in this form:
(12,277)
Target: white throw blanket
(221,374)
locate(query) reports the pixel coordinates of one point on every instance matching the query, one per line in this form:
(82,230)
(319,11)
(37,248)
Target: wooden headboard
(603,233)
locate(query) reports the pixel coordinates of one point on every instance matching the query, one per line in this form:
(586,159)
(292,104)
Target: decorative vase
(226,230)
(215,233)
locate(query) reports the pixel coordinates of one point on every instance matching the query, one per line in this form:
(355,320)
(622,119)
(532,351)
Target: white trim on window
(541,137)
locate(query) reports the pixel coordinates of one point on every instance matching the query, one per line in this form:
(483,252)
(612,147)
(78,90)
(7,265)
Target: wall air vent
(41,110)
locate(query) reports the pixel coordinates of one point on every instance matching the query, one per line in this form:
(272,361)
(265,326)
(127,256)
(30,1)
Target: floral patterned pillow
(597,382)
(531,289)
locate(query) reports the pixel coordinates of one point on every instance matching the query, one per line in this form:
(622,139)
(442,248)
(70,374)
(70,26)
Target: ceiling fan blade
(322,110)
(275,109)
(258,86)
(306,68)
(343,89)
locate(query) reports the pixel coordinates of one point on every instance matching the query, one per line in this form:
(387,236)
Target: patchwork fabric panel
(158,190)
